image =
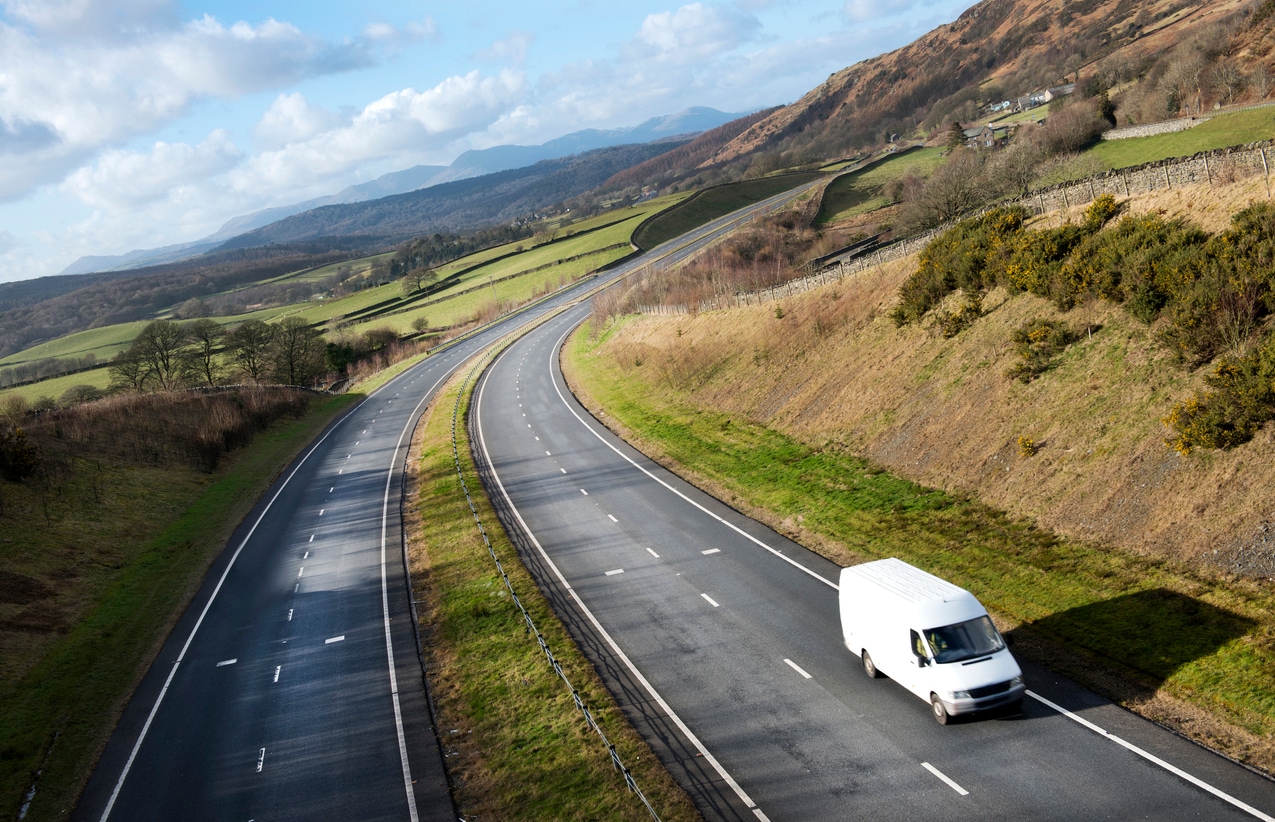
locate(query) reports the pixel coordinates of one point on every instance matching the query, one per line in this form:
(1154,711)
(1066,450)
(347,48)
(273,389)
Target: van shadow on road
(1155,633)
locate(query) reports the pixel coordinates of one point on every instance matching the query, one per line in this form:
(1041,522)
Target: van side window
(918,647)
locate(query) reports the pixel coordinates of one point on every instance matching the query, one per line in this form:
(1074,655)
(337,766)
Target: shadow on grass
(1155,632)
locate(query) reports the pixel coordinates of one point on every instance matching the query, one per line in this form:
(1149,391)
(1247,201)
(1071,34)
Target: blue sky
(138,123)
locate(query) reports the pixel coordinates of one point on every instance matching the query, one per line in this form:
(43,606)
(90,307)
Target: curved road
(722,640)
(291,687)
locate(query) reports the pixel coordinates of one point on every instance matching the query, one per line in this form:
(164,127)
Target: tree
(128,371)
(378,338)
(249,348)
(202,365)
(161,347)
(955,135)
(297,352)
(955,188)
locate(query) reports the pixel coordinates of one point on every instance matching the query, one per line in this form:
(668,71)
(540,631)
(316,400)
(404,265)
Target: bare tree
(202,364)
(1013,170)
(1260,80)
(1228,81)
(955,188)
(161,347)
(128,371)
(418,278)
(249,348)
(296,352)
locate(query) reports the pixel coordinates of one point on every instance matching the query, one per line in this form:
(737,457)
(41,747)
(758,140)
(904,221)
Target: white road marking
(296,587)
(306,555)
(537,439)
(333,488)
(261,759)
(616,571)
(330,640)
(612,518)
(300,571)
(797,668)
(652,553)
(711,601)
(763,817)
(226,662)
(711,551)
(289,614)
(547,454)
(945,778)
(341,471)
(356,442)
(563,470)
(582,491)
(312,537)
(321,510)
(277,669)
(1196,781)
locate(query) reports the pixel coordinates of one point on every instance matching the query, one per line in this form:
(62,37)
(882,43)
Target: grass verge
(712,203)
(1192,651)
(518,748)
(58,716)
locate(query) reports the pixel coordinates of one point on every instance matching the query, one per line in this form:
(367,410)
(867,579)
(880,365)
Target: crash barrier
(616,762)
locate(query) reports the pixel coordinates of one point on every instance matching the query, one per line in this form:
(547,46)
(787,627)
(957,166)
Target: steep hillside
(997,49)
(464,204)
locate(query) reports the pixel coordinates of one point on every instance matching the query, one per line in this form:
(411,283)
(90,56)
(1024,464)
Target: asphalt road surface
(291,687)
(722,641)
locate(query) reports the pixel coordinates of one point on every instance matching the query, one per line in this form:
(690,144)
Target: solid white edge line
(950,782)
(623,657)
(553,378)
(168,681)
(385,593)
(1150,757)
(797,668)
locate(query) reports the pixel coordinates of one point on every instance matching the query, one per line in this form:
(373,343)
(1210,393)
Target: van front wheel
(940,711)
(870,667)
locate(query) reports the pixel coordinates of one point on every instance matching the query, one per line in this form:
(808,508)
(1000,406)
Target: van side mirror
(921,661)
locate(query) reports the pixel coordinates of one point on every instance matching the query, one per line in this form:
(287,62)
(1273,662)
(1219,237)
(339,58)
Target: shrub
(954,322)
(1028,447)
(1037,343)
(1241,400)
(19,458)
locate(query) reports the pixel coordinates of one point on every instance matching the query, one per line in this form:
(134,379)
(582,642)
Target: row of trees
(168,355)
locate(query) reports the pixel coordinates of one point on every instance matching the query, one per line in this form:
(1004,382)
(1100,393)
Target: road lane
(821,747)
(299,727)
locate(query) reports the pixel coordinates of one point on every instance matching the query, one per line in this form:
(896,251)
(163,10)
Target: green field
(712,203)
(102,342)
(863,191)
(1223,131)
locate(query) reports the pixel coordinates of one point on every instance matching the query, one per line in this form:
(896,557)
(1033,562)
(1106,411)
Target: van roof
(909,582)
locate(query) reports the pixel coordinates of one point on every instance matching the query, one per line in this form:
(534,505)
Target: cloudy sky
(131,124)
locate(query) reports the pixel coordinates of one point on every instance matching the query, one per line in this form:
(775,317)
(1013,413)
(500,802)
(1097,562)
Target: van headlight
(1016,682)
(960,694)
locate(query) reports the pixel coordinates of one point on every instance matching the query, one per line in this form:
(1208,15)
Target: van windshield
(964,640)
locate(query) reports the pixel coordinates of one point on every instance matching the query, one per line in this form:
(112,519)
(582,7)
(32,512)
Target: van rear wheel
(870,667)
(940,711)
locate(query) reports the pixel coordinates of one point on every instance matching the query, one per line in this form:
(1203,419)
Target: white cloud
(693,33)
(127,179)
(511,50)
(392,38)
(291,119)
(66,96)
(8,242)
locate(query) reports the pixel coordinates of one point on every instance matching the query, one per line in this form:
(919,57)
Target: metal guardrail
(616,762)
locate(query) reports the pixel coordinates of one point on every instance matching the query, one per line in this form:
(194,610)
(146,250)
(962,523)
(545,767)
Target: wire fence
(580,704)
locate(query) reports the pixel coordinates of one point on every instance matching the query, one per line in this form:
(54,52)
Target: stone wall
(1151,129)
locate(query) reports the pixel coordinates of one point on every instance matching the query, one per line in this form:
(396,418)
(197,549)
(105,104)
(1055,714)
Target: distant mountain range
(475,163)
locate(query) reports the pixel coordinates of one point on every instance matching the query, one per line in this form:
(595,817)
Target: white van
(928,635)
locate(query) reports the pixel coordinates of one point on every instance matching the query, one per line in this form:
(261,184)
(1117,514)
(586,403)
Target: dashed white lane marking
(342,471)
(582,491)
(528,425)
(289,614)
(321,510)
(711,601)
(797,668)
(307,555)
(333,488)
(357,442)
(261,759)
(563,470)
(616,571)
(547,454)
(300,571)
(951,784)
(711,551)
(612,518)
(330,640)
(277,669)
(312,537)
(296,587)
(226,662)
(537,439)
(652,553)
(1196,781)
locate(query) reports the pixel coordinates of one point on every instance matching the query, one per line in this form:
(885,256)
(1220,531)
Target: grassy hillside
(864,191)
(709,204)
(1079,452)
(1223,131)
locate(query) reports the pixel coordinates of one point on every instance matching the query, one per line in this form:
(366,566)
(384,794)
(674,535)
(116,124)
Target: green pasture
(1222,131)
(103,342)
(863,191)
(711,203)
